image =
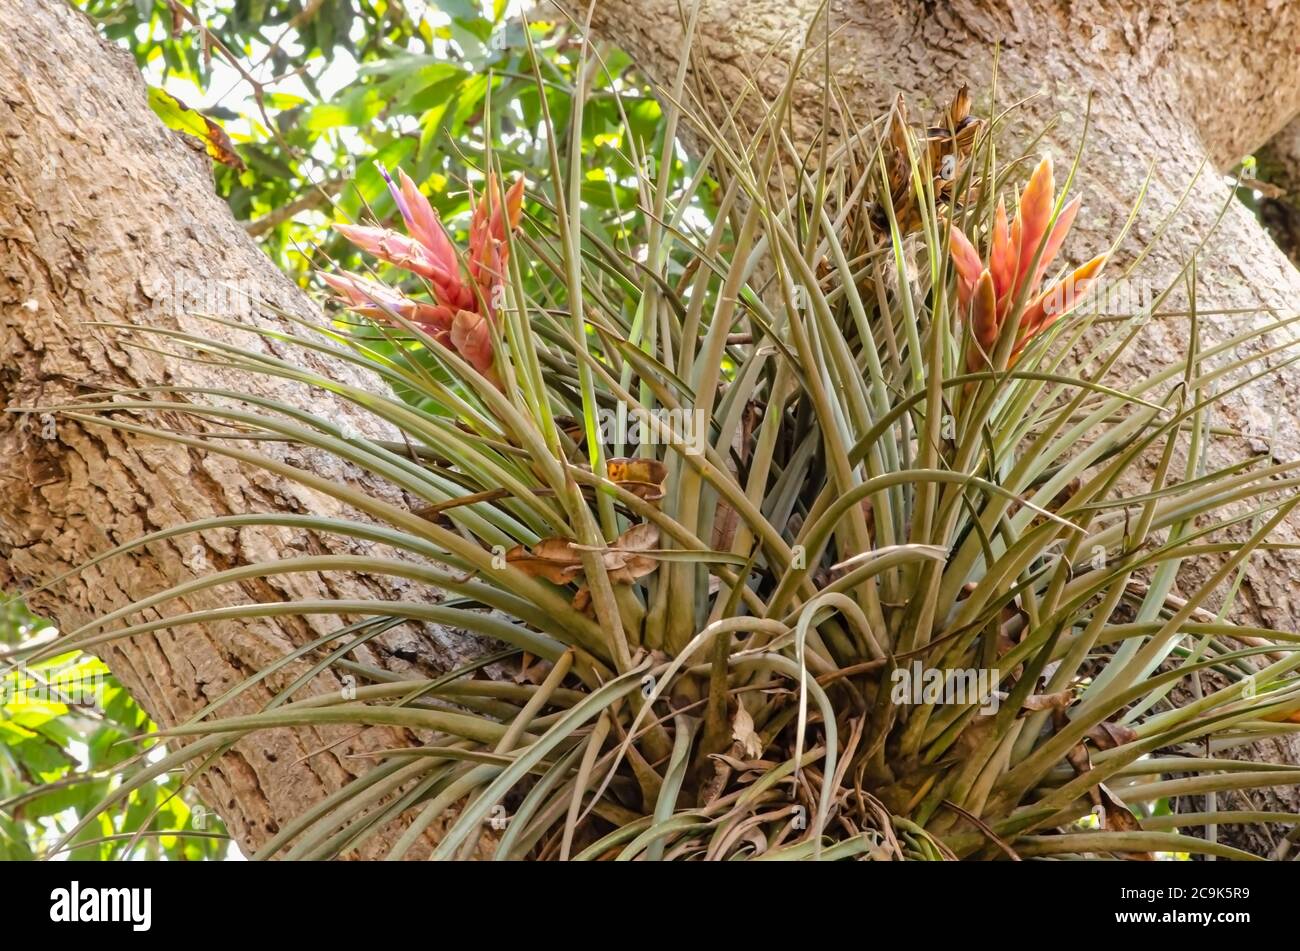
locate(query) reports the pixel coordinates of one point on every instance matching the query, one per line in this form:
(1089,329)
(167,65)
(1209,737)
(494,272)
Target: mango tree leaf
(176,115)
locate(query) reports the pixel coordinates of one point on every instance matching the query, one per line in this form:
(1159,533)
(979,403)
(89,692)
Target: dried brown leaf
(1107,735)
(743,732)
(644,478)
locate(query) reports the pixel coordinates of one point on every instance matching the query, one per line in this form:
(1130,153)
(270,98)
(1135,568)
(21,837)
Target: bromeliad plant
(855,469)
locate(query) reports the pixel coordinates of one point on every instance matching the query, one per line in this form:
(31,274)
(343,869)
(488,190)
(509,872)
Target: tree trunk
(1174,84)
(105,215)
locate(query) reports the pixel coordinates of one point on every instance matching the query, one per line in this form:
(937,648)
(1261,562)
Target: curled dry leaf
(724,766)
(1115,814)
(733,760)
(532,670)
(1107,735)
(582,601)
(644,478)
(743,732)
(1013,622)
(1119,818)
(1048,701)
(551,558)
(1078,756)
(559,560)
(625,559)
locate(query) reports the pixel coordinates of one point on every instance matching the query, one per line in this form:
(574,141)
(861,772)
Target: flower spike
(987,294)
(462,311)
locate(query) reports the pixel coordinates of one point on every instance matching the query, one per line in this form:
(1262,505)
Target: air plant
(706,634)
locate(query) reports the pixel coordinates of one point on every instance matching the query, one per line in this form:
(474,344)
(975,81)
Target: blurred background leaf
(65,731)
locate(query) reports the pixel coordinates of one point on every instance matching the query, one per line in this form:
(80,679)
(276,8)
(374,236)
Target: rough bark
(1177,84)
(105,215)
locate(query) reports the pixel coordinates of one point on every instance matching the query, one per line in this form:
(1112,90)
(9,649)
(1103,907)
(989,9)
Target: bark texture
(105,215)
(1190,86)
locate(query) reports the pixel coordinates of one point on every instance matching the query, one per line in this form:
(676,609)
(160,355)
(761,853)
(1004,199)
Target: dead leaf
(1078,756)
(1079,759)
(725,522)
(176,115)
(732,759)
(1116,816)
(551,558)
(532,670)
(624,559)
(1107,735)
(722,771)
(644,478)
(1048,701)
(1119,818)
(742,731)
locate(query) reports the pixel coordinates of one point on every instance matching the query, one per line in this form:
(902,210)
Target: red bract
(990,292)
(463,310)
(379,301)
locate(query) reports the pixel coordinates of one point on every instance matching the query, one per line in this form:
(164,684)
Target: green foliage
(68,734)
(344,83)
(329,88)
